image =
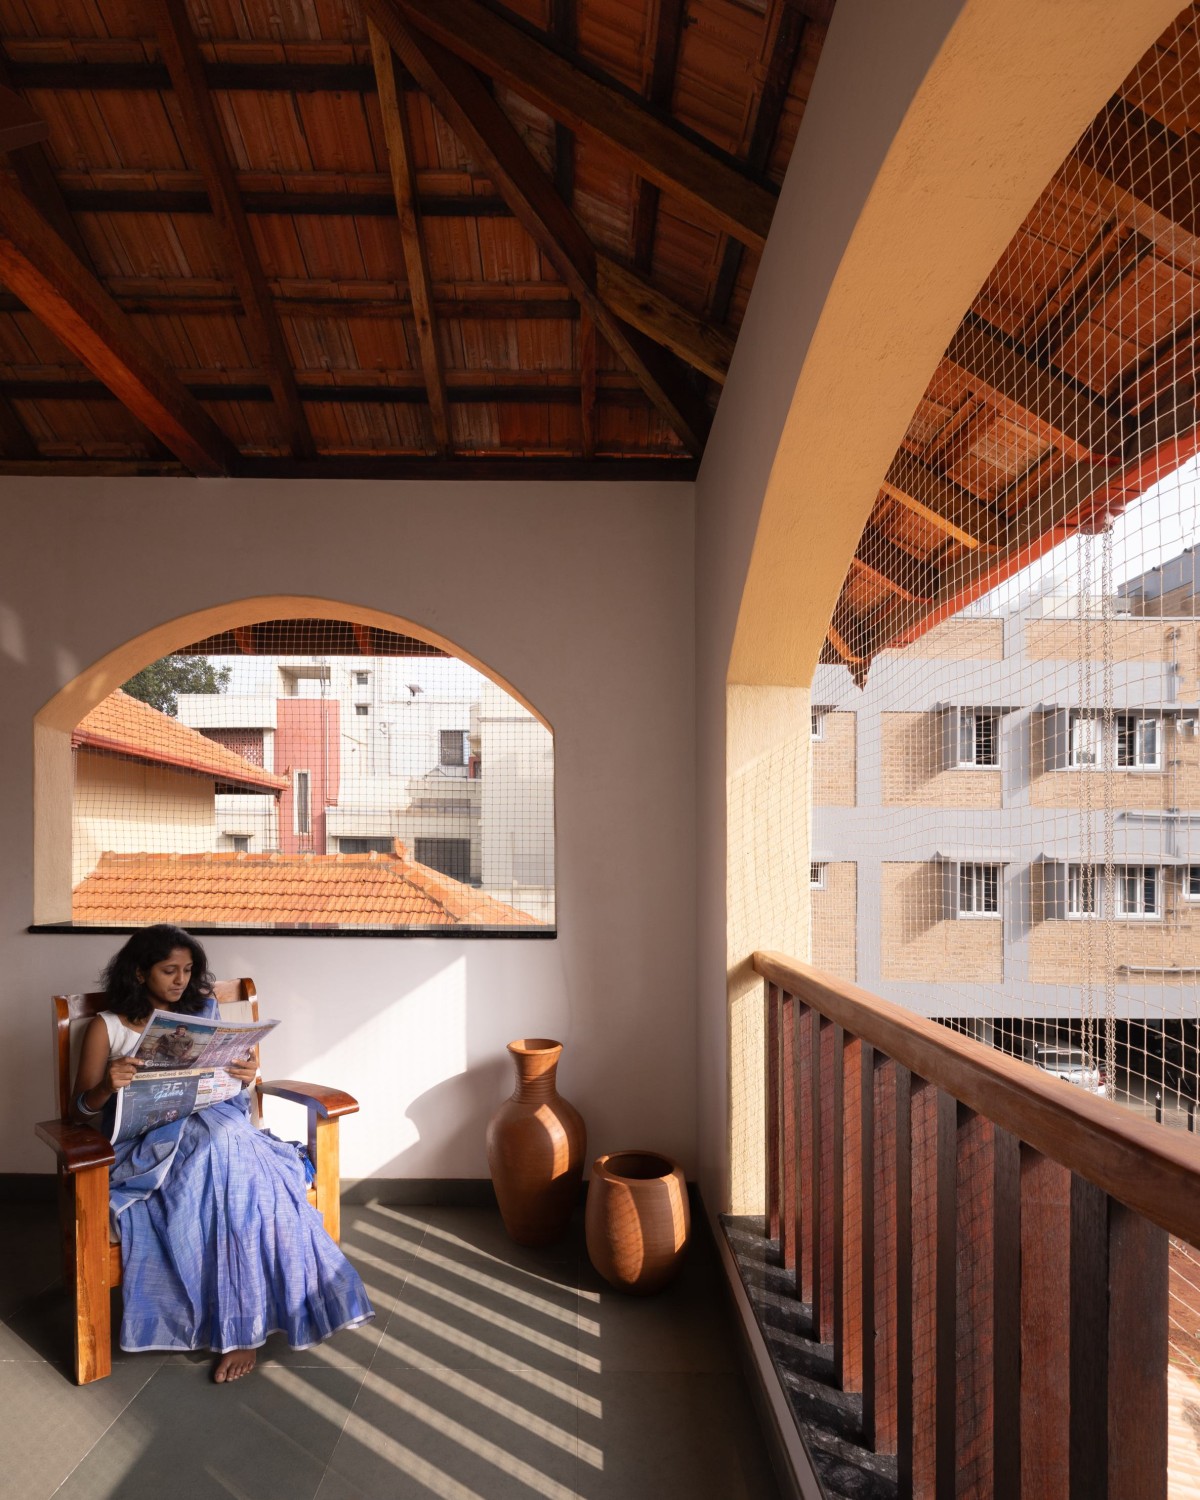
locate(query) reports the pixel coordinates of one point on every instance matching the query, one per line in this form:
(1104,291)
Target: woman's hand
(121,1073)
(245,1071)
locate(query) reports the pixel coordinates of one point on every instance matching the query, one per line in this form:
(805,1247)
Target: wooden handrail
(1153,1171)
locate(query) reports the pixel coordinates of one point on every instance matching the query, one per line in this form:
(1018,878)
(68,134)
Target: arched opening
(290,764)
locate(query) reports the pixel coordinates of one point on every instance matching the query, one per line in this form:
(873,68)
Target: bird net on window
(314,774)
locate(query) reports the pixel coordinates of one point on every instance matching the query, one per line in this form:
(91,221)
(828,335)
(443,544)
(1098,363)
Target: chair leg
(323,1149)
(93,1322)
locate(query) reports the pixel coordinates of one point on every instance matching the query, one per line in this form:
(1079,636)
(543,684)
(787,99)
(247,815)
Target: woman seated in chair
(219,1245)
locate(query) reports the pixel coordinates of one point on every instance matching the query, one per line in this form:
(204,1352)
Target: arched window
(313,774)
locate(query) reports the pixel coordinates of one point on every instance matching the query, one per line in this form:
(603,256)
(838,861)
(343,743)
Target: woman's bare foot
(234,1365)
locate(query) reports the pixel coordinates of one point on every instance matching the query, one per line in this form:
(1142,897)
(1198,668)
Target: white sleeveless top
(122,1039)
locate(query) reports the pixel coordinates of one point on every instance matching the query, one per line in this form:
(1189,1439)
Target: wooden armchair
(91,1259)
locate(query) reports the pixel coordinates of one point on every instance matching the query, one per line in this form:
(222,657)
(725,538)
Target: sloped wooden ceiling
(1072,382)
(384,237)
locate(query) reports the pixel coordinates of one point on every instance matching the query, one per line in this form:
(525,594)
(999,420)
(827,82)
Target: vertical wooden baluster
(934,1292)
(946,1294)
(787,1145)
(1006,1314)
(1088,1273)
(866,1255)
(1064,1332)
(771,1032)
(805,1027)
(885,1309)
(816,1172)
(839,1151)
(826,1236)
(1137,1356)
(904,1280)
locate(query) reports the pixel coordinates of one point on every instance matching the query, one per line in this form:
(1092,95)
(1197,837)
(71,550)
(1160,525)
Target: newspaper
(184,1061)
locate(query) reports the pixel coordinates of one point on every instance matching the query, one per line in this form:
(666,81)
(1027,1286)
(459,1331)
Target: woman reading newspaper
(219,1246)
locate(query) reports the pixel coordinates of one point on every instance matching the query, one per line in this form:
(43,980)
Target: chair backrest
(71,1014)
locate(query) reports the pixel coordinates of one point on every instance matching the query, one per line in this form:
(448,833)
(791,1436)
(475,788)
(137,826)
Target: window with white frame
(1082,891)
(978,737)
(1191,883)
(978,890)
(1138,891)
(818,724)
(1086,732)
(1139,741)
(816,876)
(452,747)
(300,791)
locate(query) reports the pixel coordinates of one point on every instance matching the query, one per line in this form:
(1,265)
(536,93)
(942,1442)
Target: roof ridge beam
(674,161)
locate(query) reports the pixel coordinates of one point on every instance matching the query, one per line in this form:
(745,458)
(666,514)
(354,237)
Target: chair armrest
(329,1103)
(78,1147)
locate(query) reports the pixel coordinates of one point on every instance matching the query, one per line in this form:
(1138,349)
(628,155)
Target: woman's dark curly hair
(126,993)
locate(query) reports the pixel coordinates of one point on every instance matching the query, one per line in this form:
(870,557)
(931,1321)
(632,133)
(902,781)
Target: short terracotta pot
(536,1144)
(638,1220)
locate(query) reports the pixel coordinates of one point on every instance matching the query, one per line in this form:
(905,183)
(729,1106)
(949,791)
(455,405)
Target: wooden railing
(984,1246)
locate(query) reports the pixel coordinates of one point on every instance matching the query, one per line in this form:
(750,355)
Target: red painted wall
(307,738)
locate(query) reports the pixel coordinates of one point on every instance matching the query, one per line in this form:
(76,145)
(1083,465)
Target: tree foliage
(161,682)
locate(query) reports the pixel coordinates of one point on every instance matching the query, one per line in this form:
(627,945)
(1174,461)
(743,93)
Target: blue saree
(219,1246)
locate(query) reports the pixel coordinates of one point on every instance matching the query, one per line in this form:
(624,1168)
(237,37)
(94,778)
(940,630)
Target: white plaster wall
(416,1028)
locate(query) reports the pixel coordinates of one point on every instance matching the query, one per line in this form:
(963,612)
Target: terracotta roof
(122,725)
(258,890)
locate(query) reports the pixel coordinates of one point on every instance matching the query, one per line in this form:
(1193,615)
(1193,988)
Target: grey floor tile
(455,1433)
(482,1232)
(48,1425)
(43,1328)
(269,1436)
(673,1434)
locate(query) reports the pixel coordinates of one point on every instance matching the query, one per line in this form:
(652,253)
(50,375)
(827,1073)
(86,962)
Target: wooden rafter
(897,571)
(657,151)
(587,385)
(19,126)
(986,356)
(1144,159)
(783,38)
(564,28)
(641,304)
(420,289)
(39,268)
(182,57)
(953,510)
(15,441)
(668,29)
(487,132)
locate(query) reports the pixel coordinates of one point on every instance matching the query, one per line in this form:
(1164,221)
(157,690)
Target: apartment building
(1006,821)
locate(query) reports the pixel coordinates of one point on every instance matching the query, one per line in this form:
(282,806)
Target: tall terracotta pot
(638,1220)
(535,1146)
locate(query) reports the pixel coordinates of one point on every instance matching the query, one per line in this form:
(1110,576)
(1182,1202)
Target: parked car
(1161,1059)
(1072,1064)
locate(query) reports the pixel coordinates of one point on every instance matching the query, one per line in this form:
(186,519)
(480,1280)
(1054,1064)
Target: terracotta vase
(638,1220)
(535,1146)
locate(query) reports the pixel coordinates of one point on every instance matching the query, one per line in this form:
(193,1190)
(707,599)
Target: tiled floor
(489,1372)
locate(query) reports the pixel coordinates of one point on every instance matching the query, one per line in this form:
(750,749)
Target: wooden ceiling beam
(675,161)
(420,290)
(979,351)
(643,306)
(19,126)
(587,385)
(317,204)
(317,306)
(142,77)
(38,267)
(895,570)
(385,466)
(181,53)
(952,510)
(668,32)
(783,37)
(15,440)
(1135,153)
(393,393)
(489,135)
